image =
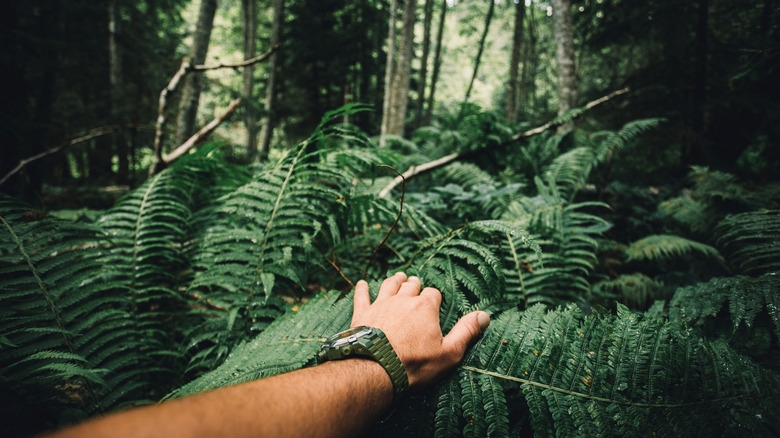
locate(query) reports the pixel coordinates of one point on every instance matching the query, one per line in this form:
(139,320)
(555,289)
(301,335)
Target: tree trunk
(249,21)
(698,151)
(116,95)
(512,85)
(400,86)
(564,55)
(389,70)
(418,115)
(491,8)
(270,89)
(190,94)
(436,64)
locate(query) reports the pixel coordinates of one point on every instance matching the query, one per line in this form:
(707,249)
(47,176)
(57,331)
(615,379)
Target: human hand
(410,320)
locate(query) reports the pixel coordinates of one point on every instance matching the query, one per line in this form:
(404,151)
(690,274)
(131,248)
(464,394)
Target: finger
(391,285)
(465,331)
(410,287)
(361,301)
(432,294)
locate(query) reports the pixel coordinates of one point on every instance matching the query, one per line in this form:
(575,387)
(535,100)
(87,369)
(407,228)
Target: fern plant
(752,305)
(70,347)
(751,240)
(558,268)
(262,242)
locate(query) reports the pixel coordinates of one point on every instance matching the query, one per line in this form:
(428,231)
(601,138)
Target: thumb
(465,331)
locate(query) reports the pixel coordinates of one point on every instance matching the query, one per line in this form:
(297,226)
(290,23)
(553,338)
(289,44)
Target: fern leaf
(668,247)
(752,241)
(289,343)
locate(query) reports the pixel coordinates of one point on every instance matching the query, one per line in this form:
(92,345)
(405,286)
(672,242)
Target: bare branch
(255,60)
(89,135)
(162,103)
(416,170)
(204,131)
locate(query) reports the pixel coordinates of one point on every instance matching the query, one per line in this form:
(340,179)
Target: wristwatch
(367,342)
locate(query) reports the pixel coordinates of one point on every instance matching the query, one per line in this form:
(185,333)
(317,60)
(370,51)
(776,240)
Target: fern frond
(752,241)
(557,267)
(634,290)
(668,247)
(744,297)
(289,343)
(623,375)
(67,333)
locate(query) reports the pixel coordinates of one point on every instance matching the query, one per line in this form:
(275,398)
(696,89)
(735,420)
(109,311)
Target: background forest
(189,189)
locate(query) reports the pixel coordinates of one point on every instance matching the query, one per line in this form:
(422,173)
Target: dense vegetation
(627,252)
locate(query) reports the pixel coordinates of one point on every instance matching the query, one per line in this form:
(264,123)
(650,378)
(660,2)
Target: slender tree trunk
(491,8)
(402,74)
(436,64)
(512,86)
(564,55)
(190,94)
(249,21)
(389,70)
(528,95)
(116,97)
(418,115)
(270,89)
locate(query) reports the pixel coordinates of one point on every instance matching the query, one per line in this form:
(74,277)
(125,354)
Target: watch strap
(383,353)
(375,346)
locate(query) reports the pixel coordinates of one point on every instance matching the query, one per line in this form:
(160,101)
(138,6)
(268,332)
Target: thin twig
(397,218)
(89,135)
(248,62)
(335,266)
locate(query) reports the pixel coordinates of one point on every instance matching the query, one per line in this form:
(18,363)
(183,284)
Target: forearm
(335,399)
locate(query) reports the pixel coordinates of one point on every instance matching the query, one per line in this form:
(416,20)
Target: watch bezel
(349,336)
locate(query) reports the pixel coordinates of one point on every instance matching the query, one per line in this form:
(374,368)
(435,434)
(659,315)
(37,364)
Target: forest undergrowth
(617,310)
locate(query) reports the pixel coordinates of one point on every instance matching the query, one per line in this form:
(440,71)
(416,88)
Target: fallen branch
(204,132)
(553,123)
(416,170)
(162,103)
(89,135)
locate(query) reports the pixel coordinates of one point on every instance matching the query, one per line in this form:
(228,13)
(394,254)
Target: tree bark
(436,64)
(190,96)
(488,18)
(118,142)
(389,70)
(249,21)
(512,85)
(267,129)
(400,86)
(418,115)
(564,55)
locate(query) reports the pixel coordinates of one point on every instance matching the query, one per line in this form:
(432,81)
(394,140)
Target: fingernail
(483,319)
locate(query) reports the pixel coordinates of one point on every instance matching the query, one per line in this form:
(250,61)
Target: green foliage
(69,343)
(752,241)
(752,306)
(207,276)
(635,290)
(659,248)
(557,267)
(714,195)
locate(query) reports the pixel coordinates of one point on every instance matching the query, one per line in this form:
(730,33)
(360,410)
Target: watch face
(349,336)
